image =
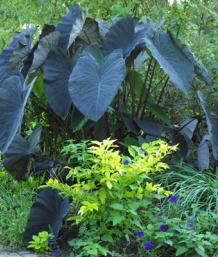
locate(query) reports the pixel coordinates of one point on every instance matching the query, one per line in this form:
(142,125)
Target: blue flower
(149,245)
(173,198)
(140,234)
(54,253)
(164,228)
(126,163)
(110,255)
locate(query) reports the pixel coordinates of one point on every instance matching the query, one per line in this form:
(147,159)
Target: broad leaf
(21,41)
(46,44)
(149,126)
(172,59)
(70,26)
(94,82)
(130,124)
(188,127)
(103,27)
(47,214)
(57,70)
(13,98)
(203,154)
(18,156)
(124,35)
(212,125)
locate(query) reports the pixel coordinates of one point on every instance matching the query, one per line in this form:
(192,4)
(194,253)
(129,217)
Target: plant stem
(149,89)
(144,86)
(162,90)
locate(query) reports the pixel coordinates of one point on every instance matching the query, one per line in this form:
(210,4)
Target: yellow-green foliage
(39,243)
(112,181)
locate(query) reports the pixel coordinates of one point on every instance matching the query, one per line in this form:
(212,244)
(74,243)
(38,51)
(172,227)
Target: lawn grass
(16,199)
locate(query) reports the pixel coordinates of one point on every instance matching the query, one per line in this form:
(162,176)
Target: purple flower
(110,255)
(149,245)
(54,253)
(126,163)
(164,228)
(173,198)
(140,234)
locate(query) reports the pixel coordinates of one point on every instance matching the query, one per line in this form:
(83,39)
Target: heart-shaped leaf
(188,127)
(47,214)
(17,158)
(13,98)
(125,35)
(70,27)
(171,58)
(57,70)
(95,81)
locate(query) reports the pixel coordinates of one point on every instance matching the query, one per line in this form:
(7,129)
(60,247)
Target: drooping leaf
(140,60)
(18,156)
(103,27)
(57,70)
(199,68)
(123,35)
(93,84)
(47,214)
(212,125)
(130,124)
(20,42)
(13,98)
(188,127)
(70,26)
(149,126)
(203,154)
(172,59)
(46,44)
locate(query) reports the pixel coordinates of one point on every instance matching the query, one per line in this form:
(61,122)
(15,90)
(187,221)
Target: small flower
(140,234)
(126,163)
(149,245)
(173,198)
(110,255)
(54,253)
(164,228)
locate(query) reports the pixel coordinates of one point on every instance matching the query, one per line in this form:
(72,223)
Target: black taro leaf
(149,126)
(212,125)
(13,98)
(188,127)
(18,156)
(203,154)
(57,70)
(95,81)
(70,27)
(124,35)
(20,44)
(46,44)
(47,214)
(200,69)
(103,27)
(185,145)
(172,59)
(130,124)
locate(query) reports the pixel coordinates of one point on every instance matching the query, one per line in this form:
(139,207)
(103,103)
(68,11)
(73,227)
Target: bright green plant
(113,193)
(39,243)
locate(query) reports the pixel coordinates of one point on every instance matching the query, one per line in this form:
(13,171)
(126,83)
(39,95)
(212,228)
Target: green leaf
(201,251)
(117,220)
(117,206)
(107,238)
(180,250)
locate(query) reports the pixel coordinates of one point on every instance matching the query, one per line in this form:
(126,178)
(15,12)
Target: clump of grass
(16,199)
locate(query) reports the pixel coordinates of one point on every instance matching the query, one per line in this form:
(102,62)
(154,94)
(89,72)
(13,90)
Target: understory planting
(93,141)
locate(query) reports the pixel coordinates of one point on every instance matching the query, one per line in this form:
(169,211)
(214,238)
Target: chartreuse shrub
(120,211)
(39,243)
(113,193)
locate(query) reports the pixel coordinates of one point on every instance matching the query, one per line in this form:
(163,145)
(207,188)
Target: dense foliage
(110,70)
